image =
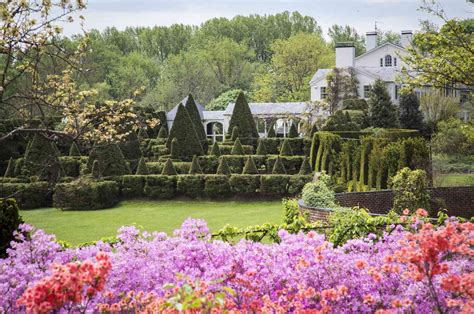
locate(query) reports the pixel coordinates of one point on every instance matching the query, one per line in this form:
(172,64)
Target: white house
(379,62)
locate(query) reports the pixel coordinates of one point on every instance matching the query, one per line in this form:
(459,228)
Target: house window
(396,91)
(366,91)
(388,60)
(381,62)
(324,94)
(394,62)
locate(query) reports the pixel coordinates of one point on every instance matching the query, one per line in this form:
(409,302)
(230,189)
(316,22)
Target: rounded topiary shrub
(318,194)
(9,221)
(86,194)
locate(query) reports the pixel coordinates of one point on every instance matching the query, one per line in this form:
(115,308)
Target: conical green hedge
(169,169)
(293,131)
(10,172)
(131,150)
(235,133)
(74,150)
(261,148)
(250,167)
(278,167)
(142,134)
(110,158)
(305,168)
(174,148)
(242,118)
(195,167)
(142,168)
(271,130)
(223,166)
(193,112)
(237,149)
(215,150)
(163,134)
(286,149)
(41,159)
(95,172)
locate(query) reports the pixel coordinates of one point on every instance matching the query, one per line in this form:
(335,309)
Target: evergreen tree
(131,150)
(271,130)
(286,149)
(237,149)
(235,133)
(278,167)
(261,148)
(223,167)
(382,112)
(340,121)
(168,168)
(95,172)
(215,150)
(142,134)
(41,159)
(242,118)
(163,134)
(193,112)
(74,150)
(195,167)
(293,131)
(409,111)
(185,133)
(174,148)
(250,167)
(10,172)
(305,168)
(110,160)
(142,168)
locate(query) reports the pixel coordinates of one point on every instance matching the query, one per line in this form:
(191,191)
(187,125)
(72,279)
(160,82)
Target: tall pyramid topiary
(142,134)
(184,132)
(293,131)
(41,159)
(286,149)
(74,150)
(278,167)
(235,133)
(223,167)
(131,150)
(111,161)
(242,118)
(271,130)
(305,168)
(195,167)
(237,149)
(193,112)
(95,172)
(174,149)
(250,167)
(142,168)
(162,134)
(10,172)
(169,169)
(215,150)
(261,148)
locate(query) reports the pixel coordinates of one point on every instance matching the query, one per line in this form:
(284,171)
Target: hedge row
(28,195)
(85,194)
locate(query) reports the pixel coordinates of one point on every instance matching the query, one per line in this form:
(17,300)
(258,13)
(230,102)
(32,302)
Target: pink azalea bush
(430,270)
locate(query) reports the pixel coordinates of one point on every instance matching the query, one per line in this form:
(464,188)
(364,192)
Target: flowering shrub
(428,270)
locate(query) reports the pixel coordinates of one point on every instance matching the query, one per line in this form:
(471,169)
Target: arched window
(388,60)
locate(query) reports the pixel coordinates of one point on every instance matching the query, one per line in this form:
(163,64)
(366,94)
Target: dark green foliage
(216,186)
(85,194)
(227,149)
(286,149)
(237,149)
(142,134)
(160,186)
(293,131)
(298,145)
(10,172)
(274,184)
(409,112)
(174,149)
(278,167)
(74,150)
(72,166)
(195,167)
(215,150)
(250,167)
(131,150)
(243,119)
(161,116)
(18,166)
(191,185)
(314,129)
(261,148)
(235,133)
(9,221)
(297,182)
(133,185)
(183,130)
(209,164)
(110,159)
(271,131)
(162,134)
(340,121)
(95,172)
(169,169)
(28,195)
(244,183)
(382,112)
(354,104)
(305,168)
(142,169)
(292,164)
(41,159)
(223,167)
(193,112)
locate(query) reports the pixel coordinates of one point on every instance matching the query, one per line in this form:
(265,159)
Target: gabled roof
(377,48)
(213,115)
(281,108)
(172,113)
(320,74)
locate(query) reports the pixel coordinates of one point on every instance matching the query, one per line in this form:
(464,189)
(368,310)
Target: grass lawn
(81,226)
(453,179)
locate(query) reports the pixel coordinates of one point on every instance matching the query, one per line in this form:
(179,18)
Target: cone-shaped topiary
(242,118)
(305,167)
(261,148)
(293,131)
(162,133)
(169,169)
(215,150)
(278,167)
(235,133)
(142,134)
(286,149)
(195,167)
(223,166)
(142,167)
(174,148)
(271,130)
(237,149)
(250,167)
(193,112)
(74,150)
(183,130)
(95,172)
(41,159)
(10,172)
(110,158)
(131,150)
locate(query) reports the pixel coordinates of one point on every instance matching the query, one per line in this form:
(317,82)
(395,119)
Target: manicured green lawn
(454,179)
(81,226)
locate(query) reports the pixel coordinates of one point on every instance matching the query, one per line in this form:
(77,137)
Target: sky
(395,15)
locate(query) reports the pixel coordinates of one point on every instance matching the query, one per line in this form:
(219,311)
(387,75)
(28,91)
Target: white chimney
(370,40)
(406,38)
(345,55)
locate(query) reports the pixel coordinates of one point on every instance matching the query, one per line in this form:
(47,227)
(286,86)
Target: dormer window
(388,60)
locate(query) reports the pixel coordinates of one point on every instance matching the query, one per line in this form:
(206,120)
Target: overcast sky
(393,15)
